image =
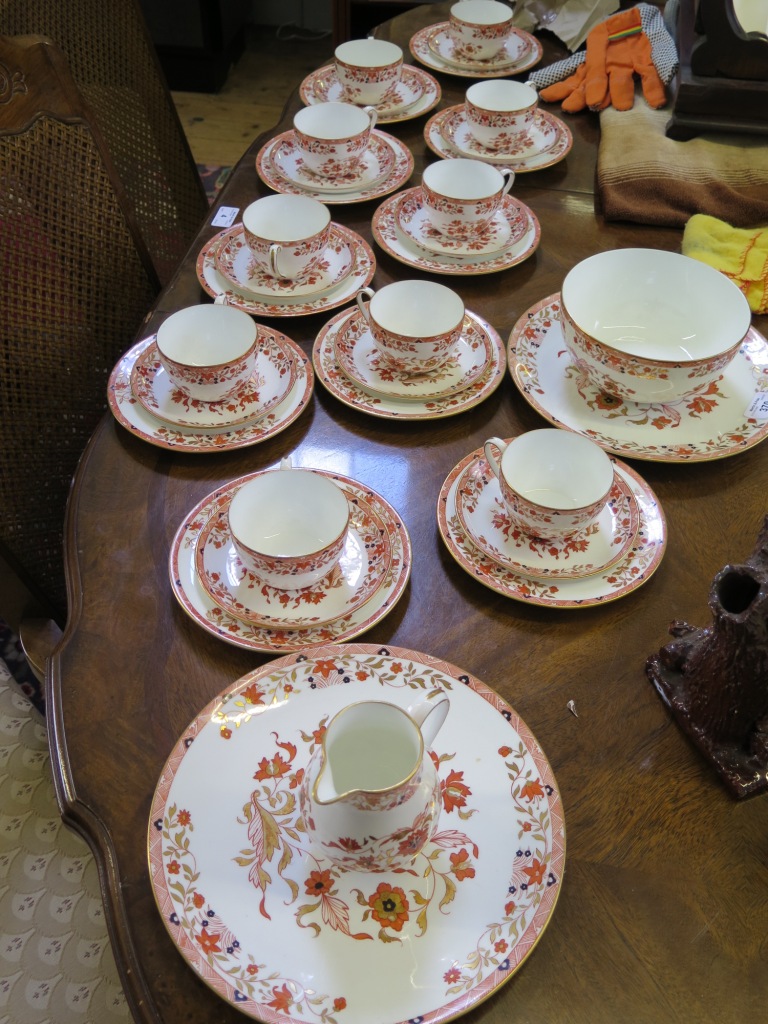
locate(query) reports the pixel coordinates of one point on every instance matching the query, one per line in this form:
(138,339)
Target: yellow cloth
(741,254)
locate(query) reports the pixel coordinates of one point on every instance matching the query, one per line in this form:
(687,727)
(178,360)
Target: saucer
(549,141)
(506,228)
(635,568)
(376,164)
(360,275)
(197,603)
(403,248)
(263,921)
(485,520)
(280,181)
(360,571)
(356,396)
(359,358)
(416,93)
(515,49)
(714,424)
(129,412)
(505,64)
(272,379)
(235,261)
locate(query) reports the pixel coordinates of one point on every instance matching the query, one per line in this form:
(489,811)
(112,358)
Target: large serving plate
(283,934)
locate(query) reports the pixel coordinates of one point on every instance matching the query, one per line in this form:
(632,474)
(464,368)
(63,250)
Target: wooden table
(664,906)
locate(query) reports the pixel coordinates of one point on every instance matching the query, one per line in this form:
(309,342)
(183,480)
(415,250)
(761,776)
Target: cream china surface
(129,412)
(273,378)
(359,573)
(433,47)
(376,164)
(548,142)
(367,187)
(235,261)
(360,275)
(403,246)
(416,93)
(615,581)
(360,359)
(485,520)
(505,228)
(711,425)
(300,939)
(412,407)
(197,603)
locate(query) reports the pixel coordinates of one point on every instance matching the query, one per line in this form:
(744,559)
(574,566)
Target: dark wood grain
(664,908)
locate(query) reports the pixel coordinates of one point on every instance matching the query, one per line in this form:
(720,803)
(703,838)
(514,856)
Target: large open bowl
(649,325)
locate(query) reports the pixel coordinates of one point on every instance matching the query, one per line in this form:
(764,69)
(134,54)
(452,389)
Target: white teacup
(461,196)
(287,234)
(554,483)
(480,28)
(369,69)
(500,112)
(415,324)
(332,137)
(208,351)
(289,526)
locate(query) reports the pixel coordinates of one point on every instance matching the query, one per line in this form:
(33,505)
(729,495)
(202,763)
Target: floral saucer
(360,571)
(282,934)
(272,379)
(198,604)
(717,422)
(235,261)
(428,45)
(359,358)
(506,228)
(413,407)
(372,185)
(416,93)
(360,275)
(398,244)
(548,142)
(485,521)
(635,568)
(129,412)
(376,164)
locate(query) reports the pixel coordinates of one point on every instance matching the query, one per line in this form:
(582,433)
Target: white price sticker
(758,407)
(225,216)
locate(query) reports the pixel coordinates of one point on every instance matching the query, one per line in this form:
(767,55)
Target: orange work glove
(617,49)
(570,91)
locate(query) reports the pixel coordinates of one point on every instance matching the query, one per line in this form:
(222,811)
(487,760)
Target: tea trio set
(338,794)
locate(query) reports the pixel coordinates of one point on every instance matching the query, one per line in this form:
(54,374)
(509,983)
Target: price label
(758,407)
(225,216)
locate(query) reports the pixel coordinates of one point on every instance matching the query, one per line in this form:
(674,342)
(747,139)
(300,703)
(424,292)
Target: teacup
(332,137)
(415,324)
(368,69)
(289,526)
(480,28)
(208,351)
(500,113)
(287,234)
(554,483)
(461,196)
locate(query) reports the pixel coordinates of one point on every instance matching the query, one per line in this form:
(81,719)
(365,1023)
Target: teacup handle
(509,174)
(491,459)
(364,293)
(274,252)
(373,116)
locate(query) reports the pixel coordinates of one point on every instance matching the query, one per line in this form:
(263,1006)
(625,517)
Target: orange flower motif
(349,844)
(535,872)
(198,899)
(209,942)
(252,969)
(296,779)
(174,867)
(361,674)
(318,734)
(509,907)
(288,687)
(452,975)
(532,788)
(527,826)
(319,882)
(413,842)
(225,732)
(500,946)
(505,751)
(325,668)
(272,769)
(606,402)
(461,865)
(282,999)
(397,667)
(339,1004)
(253,694)
(184,817)
(390,906)
(454,791)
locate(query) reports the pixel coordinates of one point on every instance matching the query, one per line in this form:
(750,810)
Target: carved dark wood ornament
(11,83)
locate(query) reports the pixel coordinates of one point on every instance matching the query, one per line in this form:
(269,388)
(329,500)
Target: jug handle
(429,716)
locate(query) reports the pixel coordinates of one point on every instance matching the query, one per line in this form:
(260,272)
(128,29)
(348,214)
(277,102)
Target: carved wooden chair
(76,281)
(113,63)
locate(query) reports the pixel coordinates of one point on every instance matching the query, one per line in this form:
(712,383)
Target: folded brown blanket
(643,176)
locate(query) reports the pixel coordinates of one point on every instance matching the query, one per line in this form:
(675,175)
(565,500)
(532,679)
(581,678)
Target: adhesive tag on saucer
(758,408)
(225,216)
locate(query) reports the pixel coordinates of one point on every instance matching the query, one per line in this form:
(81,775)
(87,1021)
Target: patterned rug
(213,177)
